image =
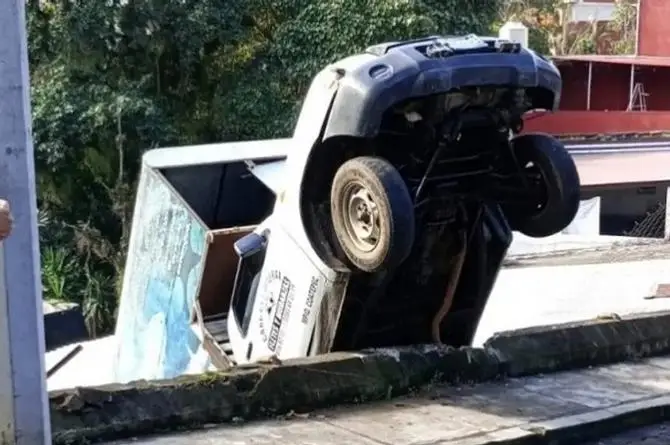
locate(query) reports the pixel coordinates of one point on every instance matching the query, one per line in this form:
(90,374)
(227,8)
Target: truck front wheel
(372,214)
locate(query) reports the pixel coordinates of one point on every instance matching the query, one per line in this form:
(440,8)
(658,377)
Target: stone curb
(575,345)
(85,415)
(579,428)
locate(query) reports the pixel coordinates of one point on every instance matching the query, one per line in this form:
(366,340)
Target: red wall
(610,85)
(573,94)
(656,83)
(610,88)
(599,122)
(654,33)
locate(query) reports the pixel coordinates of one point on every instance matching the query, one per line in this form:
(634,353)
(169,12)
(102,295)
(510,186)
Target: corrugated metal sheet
(616,60)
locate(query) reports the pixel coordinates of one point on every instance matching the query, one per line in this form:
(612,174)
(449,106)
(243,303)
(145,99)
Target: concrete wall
(586,11)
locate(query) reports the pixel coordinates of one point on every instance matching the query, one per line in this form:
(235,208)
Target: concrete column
(24,415)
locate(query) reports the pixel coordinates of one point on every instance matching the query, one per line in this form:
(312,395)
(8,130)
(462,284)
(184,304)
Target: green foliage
(115,79)
(540,16)
(58,267)
(624,27)
(551,32)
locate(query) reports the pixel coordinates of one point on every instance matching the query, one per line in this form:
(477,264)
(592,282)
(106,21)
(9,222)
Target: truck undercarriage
(466,179)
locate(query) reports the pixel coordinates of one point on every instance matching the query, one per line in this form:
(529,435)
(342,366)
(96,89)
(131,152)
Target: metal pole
(24,413)
(637,30)
(588,87)
(631,88)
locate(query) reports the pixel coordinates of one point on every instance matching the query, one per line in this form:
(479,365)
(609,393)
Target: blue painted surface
(163,271)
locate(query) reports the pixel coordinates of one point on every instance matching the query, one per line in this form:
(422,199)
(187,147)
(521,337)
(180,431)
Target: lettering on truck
(313,286)
(285,294)
(287,313)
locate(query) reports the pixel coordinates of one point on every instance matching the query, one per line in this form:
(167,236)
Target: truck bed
(216,326)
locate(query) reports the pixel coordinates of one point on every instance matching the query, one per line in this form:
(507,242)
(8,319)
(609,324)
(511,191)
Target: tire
(383,237)
(560,180)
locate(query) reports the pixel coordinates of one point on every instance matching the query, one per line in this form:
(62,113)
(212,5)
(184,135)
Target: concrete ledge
(576,345)
(117,411)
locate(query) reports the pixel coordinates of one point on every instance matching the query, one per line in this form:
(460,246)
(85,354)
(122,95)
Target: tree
(534,14)
(623,27)
(550,29)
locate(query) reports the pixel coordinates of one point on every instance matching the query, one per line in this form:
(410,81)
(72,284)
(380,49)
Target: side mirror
(249,244)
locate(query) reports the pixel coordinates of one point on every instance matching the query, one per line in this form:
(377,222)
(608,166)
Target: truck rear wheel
(550,169)
(372,214)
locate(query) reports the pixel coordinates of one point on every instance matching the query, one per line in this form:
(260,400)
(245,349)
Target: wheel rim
(361,217)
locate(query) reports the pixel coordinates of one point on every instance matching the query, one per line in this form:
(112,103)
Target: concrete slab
(652,435)
(663,362)
(277,433)
(578,285)
(472,410)
(501,398)
(598,388)
(95,354)
(525,246)
(474,415)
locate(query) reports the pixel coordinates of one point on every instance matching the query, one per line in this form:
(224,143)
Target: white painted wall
(587,220)
(585,11)
(514,32)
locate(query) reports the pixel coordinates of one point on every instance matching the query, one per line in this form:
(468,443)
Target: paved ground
(577,285)
(654,435)
(444,415)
